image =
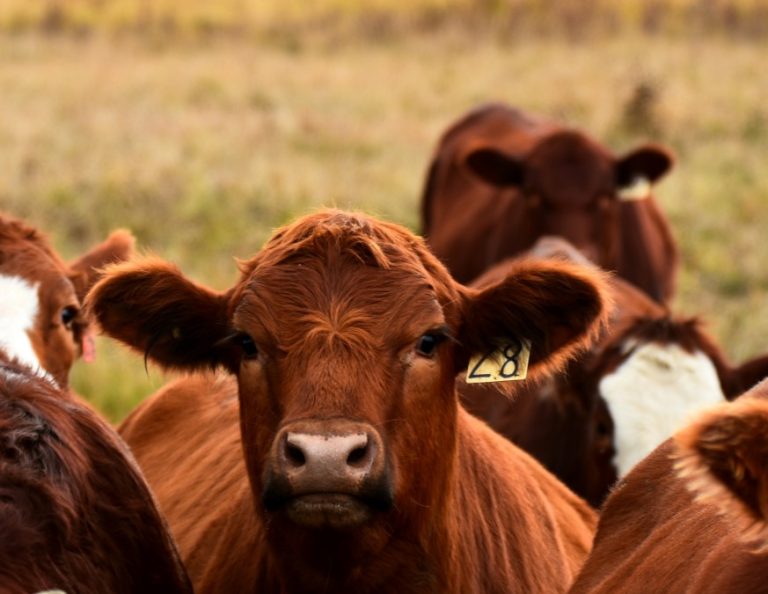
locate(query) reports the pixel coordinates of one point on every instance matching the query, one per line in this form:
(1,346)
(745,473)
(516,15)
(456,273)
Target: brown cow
(499,179)
(75,512)
(361,472)
(691,517)
(614,404)
(41,324)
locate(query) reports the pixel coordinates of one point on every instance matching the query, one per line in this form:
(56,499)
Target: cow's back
(75,512)
(193,423)
(653,537)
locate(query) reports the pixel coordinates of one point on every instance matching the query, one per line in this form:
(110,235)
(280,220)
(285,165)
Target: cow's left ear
(558,307)
(650,162)
(495,167)
(721,457)
(86,269)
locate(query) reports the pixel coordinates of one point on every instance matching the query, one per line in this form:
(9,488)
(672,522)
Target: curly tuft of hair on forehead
(380,245)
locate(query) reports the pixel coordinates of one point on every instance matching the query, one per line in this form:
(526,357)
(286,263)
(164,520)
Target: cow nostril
(294,455)
(357,456)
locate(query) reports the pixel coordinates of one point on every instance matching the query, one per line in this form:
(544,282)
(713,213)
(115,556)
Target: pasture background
(203,126)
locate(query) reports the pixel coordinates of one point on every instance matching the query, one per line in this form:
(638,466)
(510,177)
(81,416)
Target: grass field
(202,147)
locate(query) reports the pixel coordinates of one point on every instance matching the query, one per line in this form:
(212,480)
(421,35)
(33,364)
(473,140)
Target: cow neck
(532,211)
(609,243)
(465,544)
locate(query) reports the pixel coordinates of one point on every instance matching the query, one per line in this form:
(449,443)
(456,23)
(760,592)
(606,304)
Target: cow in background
(613,404)
(361,472)
(41,322)
(75,512)
(499,179)
(691,517)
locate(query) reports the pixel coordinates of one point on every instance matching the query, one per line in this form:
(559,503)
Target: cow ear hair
(649,161)
(151,307)
(87,269)
(721,457)
(559,307)
(495,167)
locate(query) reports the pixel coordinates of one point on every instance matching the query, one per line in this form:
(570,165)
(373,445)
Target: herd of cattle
(336,429)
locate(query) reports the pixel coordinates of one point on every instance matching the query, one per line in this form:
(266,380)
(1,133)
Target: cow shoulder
(201,409)
(722,458)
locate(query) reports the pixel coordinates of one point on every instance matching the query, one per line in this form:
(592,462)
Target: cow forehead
(343,275)
(40,269)
(568,169)
(312,302)
(653,393)
(32,260)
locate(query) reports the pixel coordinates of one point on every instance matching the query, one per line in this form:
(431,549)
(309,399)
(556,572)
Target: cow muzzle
(327,474)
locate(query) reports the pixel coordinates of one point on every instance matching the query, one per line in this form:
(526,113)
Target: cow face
(41,324)
(571,186)
(651,378)
(345,335)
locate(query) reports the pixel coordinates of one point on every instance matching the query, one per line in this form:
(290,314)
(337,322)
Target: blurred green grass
(202,148)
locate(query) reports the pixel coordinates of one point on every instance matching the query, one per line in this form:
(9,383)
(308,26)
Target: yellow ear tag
(639,189)
(506,362)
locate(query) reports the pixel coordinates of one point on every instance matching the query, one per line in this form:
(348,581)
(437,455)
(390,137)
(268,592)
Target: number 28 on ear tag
(508,361)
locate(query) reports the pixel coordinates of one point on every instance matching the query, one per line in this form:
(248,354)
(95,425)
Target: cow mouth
(337,511)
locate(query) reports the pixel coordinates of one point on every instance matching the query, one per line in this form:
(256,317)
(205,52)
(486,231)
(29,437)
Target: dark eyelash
(237,338)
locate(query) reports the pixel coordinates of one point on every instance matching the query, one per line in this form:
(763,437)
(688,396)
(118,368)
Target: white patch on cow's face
(652,394)
(19,303)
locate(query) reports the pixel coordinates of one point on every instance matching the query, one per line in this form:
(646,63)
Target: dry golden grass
(256,17)
(202,148)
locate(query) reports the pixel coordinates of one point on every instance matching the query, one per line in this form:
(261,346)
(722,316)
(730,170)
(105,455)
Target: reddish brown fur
(75,513)
(700,530)
(336,303)
(722,459)
(499,179)
(562,420)
(27,254)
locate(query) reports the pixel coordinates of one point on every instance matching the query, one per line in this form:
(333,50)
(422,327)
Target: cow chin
(333,511)
(342,511)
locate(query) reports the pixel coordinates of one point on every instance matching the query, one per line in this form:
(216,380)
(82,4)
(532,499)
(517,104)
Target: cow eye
(247,344)
(603,430)
(68,314)
(428,343)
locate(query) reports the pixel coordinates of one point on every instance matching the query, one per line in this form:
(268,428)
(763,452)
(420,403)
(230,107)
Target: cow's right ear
(721,457)
(650,161)
(150,306)
(557,307)
(495,167)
